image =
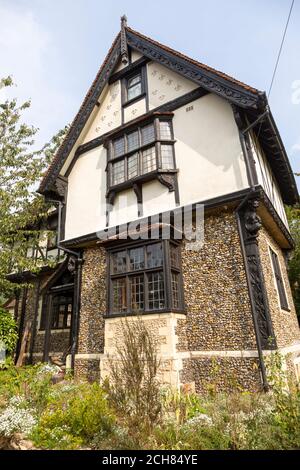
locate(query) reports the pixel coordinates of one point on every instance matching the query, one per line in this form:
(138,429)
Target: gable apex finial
(123,21)
(124,48)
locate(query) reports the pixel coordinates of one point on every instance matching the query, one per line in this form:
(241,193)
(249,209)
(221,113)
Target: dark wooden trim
(273,212)
(246,145)
(129,70)
(279,281)
(165,108)
(205,78)
(164,176)
(83,115)
(34,322)
(209,204)
(165,268)
(48,313)
(249,224)
(22,321)
(124,92)
(273,148)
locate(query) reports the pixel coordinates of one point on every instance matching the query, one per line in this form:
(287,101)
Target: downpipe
(252,302)
(77,283)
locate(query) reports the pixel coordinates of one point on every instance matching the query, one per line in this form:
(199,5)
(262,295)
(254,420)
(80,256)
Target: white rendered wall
(208,150)
(208,156)
(165,85)
(86,193)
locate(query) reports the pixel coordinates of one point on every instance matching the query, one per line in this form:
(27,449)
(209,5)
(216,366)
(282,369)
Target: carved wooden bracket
(251,224)
(252,220)
(111,198)
(137,188)
(168,180)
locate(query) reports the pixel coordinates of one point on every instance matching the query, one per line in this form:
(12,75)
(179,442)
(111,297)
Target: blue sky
(53,49)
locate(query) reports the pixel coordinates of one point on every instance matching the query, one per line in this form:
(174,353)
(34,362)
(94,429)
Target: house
(159,135)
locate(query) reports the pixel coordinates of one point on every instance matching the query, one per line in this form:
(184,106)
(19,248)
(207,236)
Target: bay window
(145,278)
(141,153)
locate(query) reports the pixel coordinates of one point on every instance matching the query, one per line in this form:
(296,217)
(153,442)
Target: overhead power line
(280,49)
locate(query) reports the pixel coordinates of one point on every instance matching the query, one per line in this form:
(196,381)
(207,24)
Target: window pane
(119,295)
(175,290)
(156,291)
(62,311)
(137,293)
(119,147)
(119,262)
(134,91)
(134,87)
(165,130)
(132,141)
(149,160)
(174,255)
(134,80)
(167,157)
(136,258)
(154,255)
(132,166)
(118,173)
(148,134)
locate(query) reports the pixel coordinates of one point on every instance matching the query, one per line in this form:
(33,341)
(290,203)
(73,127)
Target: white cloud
(25,47)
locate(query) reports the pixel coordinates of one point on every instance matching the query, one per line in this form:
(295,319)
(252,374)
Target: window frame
(165,268)
(157,142)
(280,286)
(47,302)
(140,71)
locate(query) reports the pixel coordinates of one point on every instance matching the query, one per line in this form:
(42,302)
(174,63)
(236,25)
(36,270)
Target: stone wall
(222,373)
(216,295)
(92,310)
(162,328)
(285,323)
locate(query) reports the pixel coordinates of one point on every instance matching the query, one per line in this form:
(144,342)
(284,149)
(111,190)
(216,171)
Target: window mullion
(158,155)
(167,275)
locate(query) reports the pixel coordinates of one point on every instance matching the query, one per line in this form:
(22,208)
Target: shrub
(16,418)
(78,415)
(133,388)
(8,331)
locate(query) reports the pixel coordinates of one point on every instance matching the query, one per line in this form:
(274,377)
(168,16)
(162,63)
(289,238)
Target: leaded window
(149,148)
(165,129)
(118,172)
(143,278)
(62,306)
(149,160)
(148,134)
(167,158)
(279,281)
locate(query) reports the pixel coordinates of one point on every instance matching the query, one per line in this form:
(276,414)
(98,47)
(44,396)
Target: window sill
(142,314)
(139,179)
(55,330)
(134,100)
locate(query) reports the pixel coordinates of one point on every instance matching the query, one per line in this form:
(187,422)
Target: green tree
(21,168)
(8,331)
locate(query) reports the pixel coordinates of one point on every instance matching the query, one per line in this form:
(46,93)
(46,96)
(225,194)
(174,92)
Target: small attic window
(134,87)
